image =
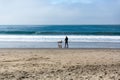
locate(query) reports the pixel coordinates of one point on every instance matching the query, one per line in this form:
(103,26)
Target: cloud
(71,1)
(59,12)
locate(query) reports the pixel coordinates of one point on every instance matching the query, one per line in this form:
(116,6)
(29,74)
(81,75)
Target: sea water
(47,36)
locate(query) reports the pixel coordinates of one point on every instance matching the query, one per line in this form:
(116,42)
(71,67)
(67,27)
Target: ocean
(47,36)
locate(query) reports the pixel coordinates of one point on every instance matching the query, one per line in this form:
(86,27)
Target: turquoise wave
(60,29)
(57,33)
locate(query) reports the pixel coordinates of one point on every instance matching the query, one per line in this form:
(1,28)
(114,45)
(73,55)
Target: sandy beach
(59,64)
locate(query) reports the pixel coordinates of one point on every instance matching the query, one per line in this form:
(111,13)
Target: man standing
(66,42)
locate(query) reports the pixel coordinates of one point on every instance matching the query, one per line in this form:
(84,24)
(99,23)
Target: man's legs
(66,45)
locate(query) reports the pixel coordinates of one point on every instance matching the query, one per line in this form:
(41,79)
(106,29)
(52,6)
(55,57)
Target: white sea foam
(53,38)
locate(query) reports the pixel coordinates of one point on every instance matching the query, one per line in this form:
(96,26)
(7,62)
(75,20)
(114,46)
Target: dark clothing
(66,42)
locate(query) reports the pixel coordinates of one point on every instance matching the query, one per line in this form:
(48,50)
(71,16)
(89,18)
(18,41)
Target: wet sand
(59,64)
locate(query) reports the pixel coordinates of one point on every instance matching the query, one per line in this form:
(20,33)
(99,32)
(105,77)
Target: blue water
(47,36)
(60,29)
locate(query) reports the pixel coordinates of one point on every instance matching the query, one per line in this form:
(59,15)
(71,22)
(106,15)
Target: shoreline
(59,48)
(55,45)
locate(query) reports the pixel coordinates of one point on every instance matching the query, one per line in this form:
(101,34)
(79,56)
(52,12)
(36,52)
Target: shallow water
(55,45)
(47,36)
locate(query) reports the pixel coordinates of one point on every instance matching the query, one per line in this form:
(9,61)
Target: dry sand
(59,64)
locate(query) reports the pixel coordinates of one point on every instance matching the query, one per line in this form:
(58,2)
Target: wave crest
(55,38)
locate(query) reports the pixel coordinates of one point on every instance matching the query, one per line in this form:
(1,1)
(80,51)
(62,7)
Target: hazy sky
(59,12)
